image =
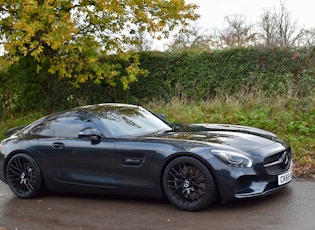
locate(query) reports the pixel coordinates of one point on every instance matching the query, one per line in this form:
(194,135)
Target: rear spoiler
(13,130)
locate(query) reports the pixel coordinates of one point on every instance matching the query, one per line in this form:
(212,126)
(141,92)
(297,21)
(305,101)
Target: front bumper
(259,180)
(251,186)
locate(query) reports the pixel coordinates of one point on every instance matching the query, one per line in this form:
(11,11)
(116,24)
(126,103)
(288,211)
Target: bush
(188,75)
(200,75)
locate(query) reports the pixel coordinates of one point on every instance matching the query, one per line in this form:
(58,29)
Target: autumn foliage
(63,38)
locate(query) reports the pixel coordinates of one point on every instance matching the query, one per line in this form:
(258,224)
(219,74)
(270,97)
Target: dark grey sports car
(126,150)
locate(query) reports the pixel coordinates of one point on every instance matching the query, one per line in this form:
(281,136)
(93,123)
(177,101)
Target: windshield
(131,121)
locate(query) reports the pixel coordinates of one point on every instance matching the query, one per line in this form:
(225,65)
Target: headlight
(233,158)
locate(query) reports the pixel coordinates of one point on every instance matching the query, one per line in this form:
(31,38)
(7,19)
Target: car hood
(239,137)
(225,127)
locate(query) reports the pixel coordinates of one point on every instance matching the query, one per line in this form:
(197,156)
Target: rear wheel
(188,184)
(23,176)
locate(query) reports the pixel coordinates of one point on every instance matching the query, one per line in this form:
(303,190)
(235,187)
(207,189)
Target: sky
(213,11)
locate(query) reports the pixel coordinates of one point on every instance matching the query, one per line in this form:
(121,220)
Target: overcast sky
(213,11)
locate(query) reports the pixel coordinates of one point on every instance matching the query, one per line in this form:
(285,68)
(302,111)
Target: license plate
(285,178)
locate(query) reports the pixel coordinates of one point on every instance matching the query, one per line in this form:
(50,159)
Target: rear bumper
(2,176)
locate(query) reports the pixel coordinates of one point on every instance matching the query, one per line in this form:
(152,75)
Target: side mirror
(161,116)
(90,133)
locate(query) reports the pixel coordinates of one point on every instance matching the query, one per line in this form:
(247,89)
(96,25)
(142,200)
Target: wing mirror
(161,116)
(90,133)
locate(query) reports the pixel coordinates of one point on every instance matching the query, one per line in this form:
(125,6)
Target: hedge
(190,74)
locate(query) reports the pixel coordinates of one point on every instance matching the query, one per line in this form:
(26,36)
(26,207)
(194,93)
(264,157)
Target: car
(123,149)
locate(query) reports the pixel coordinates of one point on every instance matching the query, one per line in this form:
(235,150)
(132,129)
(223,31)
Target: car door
(140,165)
(79,160)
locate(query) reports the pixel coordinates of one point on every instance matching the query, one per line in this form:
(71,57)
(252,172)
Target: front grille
(278,163)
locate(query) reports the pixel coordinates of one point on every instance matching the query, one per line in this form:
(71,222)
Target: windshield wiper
(163,131)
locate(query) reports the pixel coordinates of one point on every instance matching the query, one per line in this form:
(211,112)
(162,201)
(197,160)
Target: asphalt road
(291,208)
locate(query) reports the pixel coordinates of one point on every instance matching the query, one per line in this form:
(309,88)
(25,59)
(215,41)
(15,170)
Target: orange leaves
(68,36)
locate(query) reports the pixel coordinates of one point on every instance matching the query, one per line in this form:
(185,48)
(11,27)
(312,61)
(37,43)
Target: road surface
(289,209)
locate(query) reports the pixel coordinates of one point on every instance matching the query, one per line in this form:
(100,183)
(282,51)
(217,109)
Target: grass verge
(292,119)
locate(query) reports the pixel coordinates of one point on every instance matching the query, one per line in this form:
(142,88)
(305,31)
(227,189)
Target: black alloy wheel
(23,176)
(188,184)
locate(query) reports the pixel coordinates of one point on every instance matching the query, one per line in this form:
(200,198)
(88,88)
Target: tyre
(23,176)
(188,184)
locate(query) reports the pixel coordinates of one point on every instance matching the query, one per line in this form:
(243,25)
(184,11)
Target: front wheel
(188,184)
(23,176)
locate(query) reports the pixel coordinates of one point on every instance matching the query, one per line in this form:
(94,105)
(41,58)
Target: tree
(65,37)
(191,38)
(143,41)
(278,28)
(308,38)
(267,29)
(238,32)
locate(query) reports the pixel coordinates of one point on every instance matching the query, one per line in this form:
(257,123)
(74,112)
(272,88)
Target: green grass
(292,119)
(17,120)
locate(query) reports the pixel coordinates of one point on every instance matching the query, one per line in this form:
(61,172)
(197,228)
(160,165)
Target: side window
(64,127)
(69,127)
(44,129)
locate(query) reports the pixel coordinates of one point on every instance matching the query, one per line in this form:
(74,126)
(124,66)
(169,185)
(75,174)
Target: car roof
(103,108)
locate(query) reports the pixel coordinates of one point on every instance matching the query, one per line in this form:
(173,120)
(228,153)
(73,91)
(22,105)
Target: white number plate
(285,177)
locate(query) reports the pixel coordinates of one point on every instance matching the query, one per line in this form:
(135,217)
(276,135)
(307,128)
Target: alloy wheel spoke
(196,191)
(18,163)
(176,191)
(183,170)
(21,176)
(176,175)
(14,169)
(29,186)
(198,196)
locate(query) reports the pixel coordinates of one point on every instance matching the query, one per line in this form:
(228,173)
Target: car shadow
(76,211)
(246,203)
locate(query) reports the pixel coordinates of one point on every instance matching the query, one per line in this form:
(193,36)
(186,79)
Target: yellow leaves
(65,36)
(29,6)
(159,37)
(133,71)
(36,28)
(37,52)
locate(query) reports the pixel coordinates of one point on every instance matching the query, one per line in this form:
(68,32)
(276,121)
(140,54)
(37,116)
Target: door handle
(58,145)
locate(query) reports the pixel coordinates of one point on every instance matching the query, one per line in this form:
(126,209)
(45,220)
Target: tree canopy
(64,38)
